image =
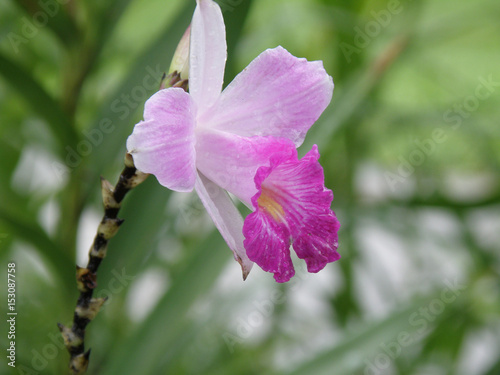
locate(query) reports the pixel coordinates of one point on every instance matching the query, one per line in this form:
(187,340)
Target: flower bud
(180,61)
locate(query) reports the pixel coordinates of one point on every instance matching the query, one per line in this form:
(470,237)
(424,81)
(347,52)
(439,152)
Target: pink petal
(231,161)
(277,94)
(291,207)
(226,217)
(208,54)
(267,244)
(163,144)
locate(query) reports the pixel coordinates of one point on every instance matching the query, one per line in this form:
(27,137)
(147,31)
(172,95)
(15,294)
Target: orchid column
(243,140)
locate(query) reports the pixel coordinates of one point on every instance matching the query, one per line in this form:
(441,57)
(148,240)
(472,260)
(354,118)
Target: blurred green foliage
(410,147)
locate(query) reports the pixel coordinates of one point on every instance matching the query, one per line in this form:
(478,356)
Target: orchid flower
(243,140)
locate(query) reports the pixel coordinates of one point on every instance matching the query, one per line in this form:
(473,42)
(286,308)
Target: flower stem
(86,306)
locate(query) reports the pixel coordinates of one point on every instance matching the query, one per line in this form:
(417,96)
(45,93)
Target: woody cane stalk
(112,197)
(86,306)
(86,278)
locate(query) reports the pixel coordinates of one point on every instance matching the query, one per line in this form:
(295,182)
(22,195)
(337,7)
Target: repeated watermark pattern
(460,111)
(364,36)
(245,326)
(455,117)
(123,107)
(40,359)
(31,27)
(419,322)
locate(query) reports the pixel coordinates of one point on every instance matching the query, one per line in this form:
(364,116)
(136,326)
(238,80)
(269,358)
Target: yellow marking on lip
(270,205)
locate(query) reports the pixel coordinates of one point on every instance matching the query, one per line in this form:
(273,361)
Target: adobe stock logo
(30,28)
(455,116)
(471,103)
(123,107)
(247,325)
(364,37)
(420,321)
(42,357)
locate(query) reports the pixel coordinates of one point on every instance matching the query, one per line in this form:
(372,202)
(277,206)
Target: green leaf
(62,265)
(360,344)
(144,215)
(234,19)
(158,334)
(154,61)
(57,19)
(40,101)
